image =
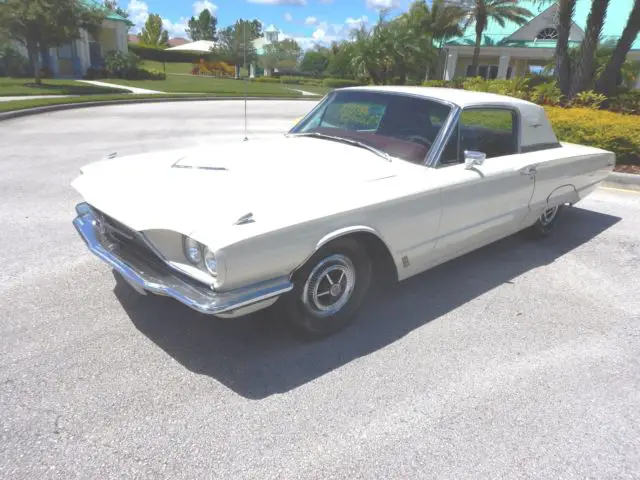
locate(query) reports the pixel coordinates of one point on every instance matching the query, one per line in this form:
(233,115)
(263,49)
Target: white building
(514,50)
(75,58)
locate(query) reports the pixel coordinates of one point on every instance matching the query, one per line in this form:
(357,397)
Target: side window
(489,130)
(492,131)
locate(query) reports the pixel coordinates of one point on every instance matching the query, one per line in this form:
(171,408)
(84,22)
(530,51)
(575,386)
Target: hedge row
(146,52)
(327,82)
(544,92)
(612,131)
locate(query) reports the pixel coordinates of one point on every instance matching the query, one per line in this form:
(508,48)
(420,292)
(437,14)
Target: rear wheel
(547,221)
(329,290)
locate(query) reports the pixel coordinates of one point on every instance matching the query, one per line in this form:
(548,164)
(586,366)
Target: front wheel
(329,290)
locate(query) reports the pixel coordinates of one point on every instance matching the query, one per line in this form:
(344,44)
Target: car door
(489,200)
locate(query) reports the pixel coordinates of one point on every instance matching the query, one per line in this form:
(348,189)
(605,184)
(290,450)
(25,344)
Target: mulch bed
(627,169)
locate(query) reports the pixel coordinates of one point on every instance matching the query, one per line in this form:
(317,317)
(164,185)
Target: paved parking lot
(521,360)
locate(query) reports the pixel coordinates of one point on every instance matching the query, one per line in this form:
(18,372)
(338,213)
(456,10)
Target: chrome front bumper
(158,278)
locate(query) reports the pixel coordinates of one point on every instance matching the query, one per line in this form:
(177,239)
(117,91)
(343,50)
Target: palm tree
(585,68)
(500,11)
(441,22)
(606,81)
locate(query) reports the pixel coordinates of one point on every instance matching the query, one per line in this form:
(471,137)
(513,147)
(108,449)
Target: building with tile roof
(513,50)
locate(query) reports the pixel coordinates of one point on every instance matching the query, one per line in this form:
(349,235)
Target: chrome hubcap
(548,215)
(329,286)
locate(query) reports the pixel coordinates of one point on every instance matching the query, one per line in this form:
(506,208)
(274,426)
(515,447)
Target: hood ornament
(247,218)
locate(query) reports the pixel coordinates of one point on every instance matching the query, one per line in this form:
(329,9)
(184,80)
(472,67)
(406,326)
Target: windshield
(399,125)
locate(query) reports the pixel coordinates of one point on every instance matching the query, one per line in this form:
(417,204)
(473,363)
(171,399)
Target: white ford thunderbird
(403,178)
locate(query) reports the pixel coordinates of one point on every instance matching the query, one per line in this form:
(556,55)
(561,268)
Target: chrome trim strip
(433,156)
(200,299)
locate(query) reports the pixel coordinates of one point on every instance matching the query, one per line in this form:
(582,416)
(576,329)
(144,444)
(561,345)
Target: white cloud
(288,17)
(311,21)
(356,22)
(279,2)
(177,29)
(382,4)
(138,13)
(319,34)
(201,5)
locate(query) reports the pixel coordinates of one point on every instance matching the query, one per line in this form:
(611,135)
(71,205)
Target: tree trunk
(563,62)
(476,55)
(34,57)
(586,65)
(607,82)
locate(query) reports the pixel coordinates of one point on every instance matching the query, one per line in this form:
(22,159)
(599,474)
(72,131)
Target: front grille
(126,238)
(134,250)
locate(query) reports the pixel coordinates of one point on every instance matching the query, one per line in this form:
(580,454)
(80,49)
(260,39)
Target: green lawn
(10,87)
(218,86)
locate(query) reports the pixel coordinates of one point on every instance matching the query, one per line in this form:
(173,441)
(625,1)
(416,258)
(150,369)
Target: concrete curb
(628,181)
(70,106)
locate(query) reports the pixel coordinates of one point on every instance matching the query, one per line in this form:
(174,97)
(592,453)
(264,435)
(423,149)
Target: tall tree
(440,21)
(232,45)
(204,27)
(583,75)
(315,61)
(500,11)
(607,81)
(41,24)
(289,52)
(153,33)
(566,8)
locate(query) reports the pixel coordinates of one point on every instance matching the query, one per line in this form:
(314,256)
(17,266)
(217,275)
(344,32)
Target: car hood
(286,178)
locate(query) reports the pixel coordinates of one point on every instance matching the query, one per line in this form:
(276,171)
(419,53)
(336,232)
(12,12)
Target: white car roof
(462,98)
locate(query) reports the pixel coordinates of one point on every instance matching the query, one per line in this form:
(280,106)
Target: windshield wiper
(350,141)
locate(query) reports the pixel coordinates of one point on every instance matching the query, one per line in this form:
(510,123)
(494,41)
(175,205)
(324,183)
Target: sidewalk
(33,97)
(135,90)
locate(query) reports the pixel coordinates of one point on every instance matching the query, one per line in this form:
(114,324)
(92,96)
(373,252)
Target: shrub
(94,73)
(546,94)
(588,99)
(626,102)
(266,80)
(292,80)
(13,63)
(120,64)
(612,131)
(339,83)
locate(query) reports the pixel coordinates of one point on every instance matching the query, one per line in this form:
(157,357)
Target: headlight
(192,250)
(200,256)
(210,262)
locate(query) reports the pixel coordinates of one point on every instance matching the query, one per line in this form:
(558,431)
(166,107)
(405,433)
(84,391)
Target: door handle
(529,171)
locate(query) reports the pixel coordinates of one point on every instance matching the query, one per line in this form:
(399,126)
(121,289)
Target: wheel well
(384,267)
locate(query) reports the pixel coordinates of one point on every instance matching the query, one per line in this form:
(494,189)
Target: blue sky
(307,21)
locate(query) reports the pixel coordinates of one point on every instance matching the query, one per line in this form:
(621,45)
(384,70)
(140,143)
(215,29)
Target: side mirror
(473,158)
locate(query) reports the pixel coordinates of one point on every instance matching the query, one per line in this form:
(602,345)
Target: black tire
(301,309)
(546,222)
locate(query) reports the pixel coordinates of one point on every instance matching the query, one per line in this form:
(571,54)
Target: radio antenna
(245,81)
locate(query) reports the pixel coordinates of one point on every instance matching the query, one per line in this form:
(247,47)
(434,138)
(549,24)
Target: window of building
(548,33)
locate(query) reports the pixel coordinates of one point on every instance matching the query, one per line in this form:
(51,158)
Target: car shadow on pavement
(256,357)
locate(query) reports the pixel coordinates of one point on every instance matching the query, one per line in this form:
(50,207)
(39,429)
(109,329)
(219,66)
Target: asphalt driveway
(521,360)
